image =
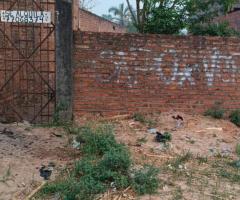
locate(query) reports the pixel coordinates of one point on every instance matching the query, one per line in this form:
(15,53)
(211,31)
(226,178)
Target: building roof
(101,18)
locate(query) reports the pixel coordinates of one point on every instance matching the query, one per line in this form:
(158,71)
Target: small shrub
(106,164)
(139,117)
(215,112)
(97,141)
(116,160)
(146,181)
(202,159)
(235,117)
(167,136)
(181,159)
(220,29)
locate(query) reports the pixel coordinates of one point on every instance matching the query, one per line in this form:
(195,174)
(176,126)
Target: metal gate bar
(28,70)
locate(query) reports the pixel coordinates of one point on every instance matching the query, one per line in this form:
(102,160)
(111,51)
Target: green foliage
(232,176)
(72,189)
(145,181)
(139,117)
(121,14)
(105,162)
(164,20)
(171,16)
(201,15)
(57,119)
(167,136)
(220,29)
(235,117)
(116,160)
(99,141)
(238,149)
(181,159)
(216,111)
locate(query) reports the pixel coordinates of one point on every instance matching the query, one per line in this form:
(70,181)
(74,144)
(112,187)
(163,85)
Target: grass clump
(139,117)
(145,180)
(180,160)
(216,112)
(105,164)
(235,117)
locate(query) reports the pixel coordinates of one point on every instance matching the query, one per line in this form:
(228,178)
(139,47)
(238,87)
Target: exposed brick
(126,73)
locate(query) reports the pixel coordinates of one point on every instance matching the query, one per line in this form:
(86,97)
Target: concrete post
(64,74)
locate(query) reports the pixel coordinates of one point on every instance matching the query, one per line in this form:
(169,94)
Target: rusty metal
(27,65)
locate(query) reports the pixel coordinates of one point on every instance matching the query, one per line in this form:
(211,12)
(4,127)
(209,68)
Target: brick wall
(126,73)
(87,21)
(233,18)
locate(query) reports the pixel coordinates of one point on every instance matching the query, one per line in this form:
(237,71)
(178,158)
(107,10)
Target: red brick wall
(232,18)
(126,73)
(91,22)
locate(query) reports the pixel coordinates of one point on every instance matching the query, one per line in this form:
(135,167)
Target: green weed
(215,112)
(235,117)
(139,117)
(145,181)
(105,162)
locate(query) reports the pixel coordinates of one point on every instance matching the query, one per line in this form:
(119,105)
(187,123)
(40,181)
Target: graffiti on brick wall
(211,65)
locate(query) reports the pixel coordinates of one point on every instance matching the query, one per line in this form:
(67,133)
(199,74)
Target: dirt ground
(193,166)
(208,143)
(23,151)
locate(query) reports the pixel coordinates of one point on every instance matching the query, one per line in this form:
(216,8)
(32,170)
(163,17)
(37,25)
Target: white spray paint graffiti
(211,67)
(177,74)
(120,68)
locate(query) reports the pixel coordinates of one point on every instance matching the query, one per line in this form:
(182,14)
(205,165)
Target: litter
(152,130)
(163,138)
(76,144)
(8,133)
(46,171)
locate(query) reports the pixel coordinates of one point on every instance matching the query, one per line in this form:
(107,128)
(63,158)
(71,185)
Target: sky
(102,6)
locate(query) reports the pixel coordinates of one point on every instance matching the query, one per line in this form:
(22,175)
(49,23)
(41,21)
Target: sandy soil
(200,135)
(23,150)
(203,137)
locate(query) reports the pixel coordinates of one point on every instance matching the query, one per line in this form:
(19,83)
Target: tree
(170,16)
(159,16)
(108,17)
(87,4)
(202,14)
(121,14)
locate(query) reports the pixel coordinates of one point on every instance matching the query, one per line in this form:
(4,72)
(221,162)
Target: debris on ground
(23,148)
(46,171)
(198,162)
(8,133)
(163,138)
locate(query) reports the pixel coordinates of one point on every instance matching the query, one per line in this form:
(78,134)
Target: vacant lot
(198,163)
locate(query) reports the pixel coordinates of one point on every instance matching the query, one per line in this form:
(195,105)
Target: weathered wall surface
(232,18)
(125,73)
(86,21)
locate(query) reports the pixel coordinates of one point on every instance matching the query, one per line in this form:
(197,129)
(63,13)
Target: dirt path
(23,150)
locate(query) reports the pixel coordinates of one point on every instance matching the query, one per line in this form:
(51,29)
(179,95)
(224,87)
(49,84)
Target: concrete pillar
(75,13)
(64,73)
